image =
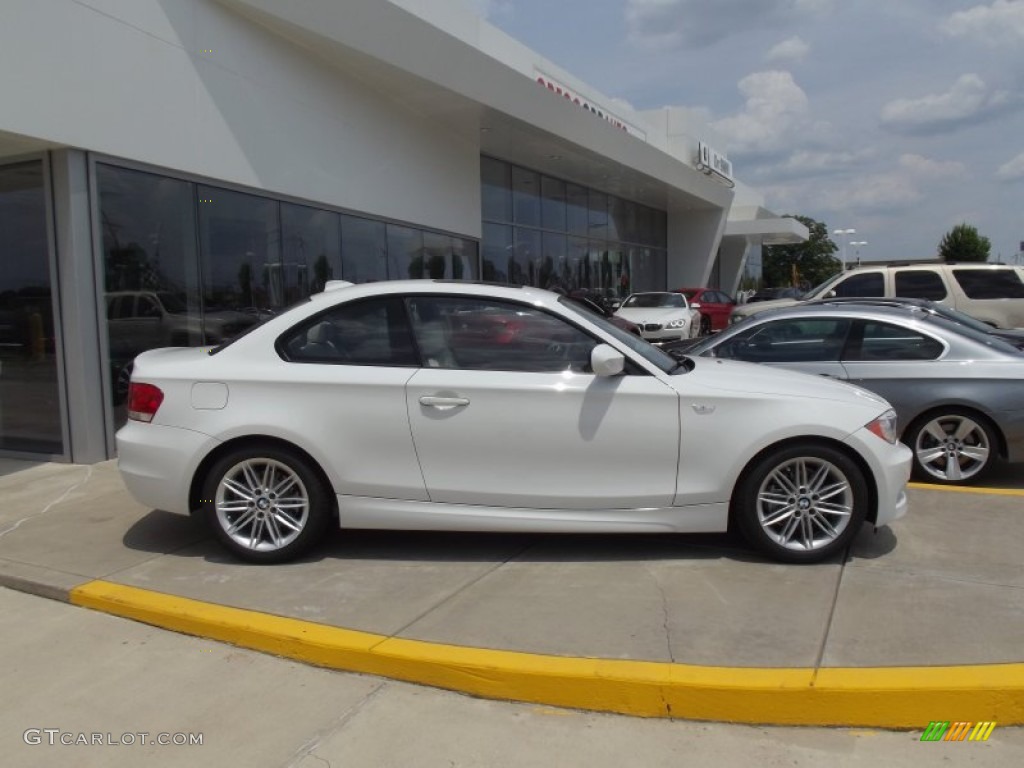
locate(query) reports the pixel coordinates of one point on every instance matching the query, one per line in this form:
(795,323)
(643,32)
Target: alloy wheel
(805,504)
(953,448)
(262,505)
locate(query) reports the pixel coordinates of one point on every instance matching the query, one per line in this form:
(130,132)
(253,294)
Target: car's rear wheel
(265,503)
(801,504)
(705,325)
(952,446)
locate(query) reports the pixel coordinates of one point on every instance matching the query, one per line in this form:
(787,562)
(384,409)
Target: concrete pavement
(925,615)
(82,673)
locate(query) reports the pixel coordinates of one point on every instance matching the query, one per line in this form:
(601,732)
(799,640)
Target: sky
(897,118)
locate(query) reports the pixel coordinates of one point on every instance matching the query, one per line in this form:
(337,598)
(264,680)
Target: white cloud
(670,23)
(791,49)
(1003,20)
(968,100)
(1012,170)
(926,168)
(775,106)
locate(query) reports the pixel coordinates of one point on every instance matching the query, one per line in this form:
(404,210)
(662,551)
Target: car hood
(750,378)
(652,314)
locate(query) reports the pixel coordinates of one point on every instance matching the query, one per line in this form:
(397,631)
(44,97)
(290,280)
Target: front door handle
(444,403)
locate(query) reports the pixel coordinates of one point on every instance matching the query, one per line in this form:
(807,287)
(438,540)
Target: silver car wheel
(805,504)
(261,504)
(952,447)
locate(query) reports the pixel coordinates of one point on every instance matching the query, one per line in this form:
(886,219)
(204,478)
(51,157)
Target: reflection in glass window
(795,340)
(577,209)
(311,246)
(151,271)
(887,342)
(437,256)
(405,253)
(496,190)
(525,197)
(497,243)
(30,410)
(464,259)
(363,250)
(483,334)
(240,244)
(525,259)
(553,207)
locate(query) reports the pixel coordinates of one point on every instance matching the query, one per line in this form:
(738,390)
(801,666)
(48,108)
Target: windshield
(654,301)
(820,287)
(665,362)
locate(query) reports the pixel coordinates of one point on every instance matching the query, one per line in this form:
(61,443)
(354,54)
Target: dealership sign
(713,163)
(581,101)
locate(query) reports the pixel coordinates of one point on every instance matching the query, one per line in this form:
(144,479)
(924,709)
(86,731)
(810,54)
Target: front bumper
(665,334)
(890,467)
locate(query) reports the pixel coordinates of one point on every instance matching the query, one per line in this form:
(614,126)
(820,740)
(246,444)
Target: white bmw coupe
(462,406)
(661,316)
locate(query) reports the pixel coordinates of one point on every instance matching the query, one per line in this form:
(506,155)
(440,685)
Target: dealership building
(171,171)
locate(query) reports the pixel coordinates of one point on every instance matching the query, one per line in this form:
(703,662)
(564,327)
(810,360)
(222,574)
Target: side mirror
(606,361)
(615,305)
(830,295)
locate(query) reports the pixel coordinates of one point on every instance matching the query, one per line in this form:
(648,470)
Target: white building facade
(171,171)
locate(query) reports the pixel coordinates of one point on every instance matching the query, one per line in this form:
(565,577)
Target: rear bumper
(157,463)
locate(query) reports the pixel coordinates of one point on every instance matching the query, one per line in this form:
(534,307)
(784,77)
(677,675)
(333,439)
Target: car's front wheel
(953,446)
(801,504)
(265,503)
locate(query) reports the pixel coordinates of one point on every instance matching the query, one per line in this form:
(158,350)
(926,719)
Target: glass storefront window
(363,250)
(553,272)
(577,209)
(598,221)
(437,256)
(553,207)
(525,197)
(311,252)
(496,245)
(30,410)
(496,190)
(525,259)
(464,259)
(240,245)
(405,253)
(151,269)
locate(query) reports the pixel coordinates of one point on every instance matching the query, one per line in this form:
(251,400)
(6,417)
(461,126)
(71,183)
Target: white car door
(504,414)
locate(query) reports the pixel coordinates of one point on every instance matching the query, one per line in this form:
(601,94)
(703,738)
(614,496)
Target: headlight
(885,427)
(680,323)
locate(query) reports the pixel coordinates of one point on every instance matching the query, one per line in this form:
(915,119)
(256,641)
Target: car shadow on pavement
(176,535)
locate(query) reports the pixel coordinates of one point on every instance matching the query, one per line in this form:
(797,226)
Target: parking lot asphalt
(922,620)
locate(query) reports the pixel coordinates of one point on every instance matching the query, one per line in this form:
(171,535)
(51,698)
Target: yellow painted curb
(967,489)
(873,697)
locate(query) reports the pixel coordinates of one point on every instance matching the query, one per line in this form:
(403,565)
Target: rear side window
(370,332)
(869,284)
(920,284)
(882,342)
(990,283)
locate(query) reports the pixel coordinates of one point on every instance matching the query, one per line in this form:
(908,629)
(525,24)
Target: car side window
(370,332)
(878,341)
(867,284)
(920,284)
(485,334)
(794,340)
(990,283)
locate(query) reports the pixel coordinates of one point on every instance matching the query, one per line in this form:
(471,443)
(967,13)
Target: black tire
(801,504)
(952,446)
(705,325)
(265,503)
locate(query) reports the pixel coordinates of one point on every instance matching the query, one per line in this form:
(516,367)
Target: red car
(715,307)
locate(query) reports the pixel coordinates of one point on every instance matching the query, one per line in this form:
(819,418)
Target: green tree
(963,243)
(803,264)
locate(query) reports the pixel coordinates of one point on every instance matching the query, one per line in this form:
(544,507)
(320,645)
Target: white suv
(993,293)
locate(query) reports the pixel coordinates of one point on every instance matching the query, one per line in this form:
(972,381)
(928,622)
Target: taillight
(143,401)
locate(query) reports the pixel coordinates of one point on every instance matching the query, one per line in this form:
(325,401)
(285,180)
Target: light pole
(842,233)
(857,244)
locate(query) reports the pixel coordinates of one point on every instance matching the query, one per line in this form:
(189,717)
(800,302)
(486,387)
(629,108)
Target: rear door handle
(444,403)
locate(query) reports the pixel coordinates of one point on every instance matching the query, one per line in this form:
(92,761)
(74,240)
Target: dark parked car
(770,294)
